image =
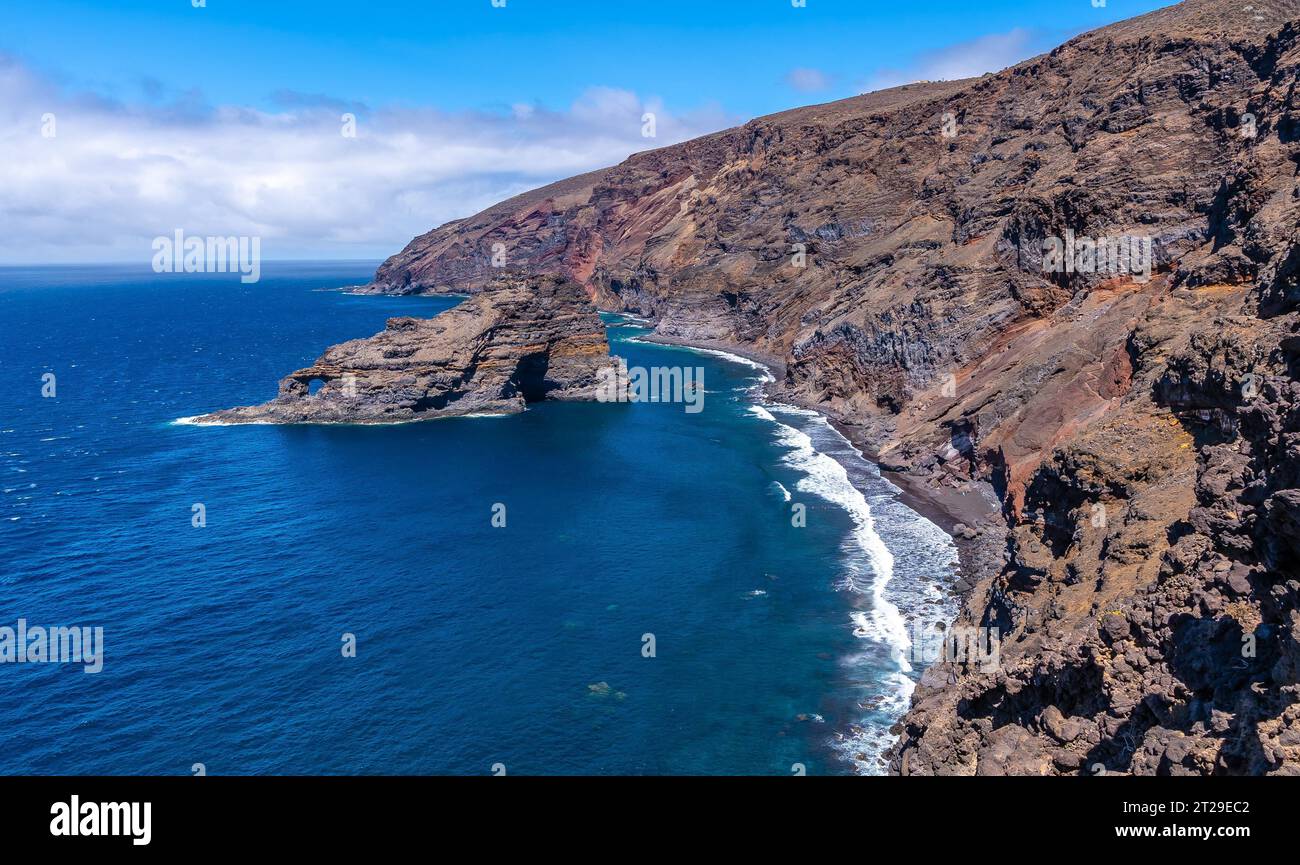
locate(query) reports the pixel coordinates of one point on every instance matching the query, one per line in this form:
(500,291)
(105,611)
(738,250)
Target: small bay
(775,645)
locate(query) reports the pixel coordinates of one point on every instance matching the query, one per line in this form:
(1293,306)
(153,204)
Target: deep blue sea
(476,646)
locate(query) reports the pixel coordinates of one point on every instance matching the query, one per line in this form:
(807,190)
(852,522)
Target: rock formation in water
(515,342)
(1139,421)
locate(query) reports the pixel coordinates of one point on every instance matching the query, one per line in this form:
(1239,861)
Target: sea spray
(828,479)
(893,607)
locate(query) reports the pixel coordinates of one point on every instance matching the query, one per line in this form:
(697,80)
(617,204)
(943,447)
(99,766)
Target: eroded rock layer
(1140,428)
(515,342)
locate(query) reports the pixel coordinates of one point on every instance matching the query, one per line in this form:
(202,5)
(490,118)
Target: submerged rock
(602,689)
(516,342)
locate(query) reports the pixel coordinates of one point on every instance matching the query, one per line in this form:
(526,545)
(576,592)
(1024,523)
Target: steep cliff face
(515,342)
(1136,415)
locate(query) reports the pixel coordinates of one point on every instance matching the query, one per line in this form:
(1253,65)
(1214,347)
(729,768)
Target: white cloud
(991,53)
(117,175)
(808,80)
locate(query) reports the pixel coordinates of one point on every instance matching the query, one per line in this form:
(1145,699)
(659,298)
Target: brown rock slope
(515,342)
(1142,434)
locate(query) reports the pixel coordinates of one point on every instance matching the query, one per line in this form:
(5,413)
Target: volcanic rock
(515,342)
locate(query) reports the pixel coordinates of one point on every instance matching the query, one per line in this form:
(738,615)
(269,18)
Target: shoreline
(774,364)
(971,517)
(946,507)
(869,732)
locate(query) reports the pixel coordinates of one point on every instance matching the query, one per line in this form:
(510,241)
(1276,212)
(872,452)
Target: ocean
(647,608)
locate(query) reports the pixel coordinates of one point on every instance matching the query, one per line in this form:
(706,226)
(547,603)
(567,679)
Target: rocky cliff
(1132,401)
(515,342)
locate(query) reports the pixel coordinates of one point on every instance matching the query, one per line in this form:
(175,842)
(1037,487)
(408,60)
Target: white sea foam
(618,313)
(627,316)
(828,479)
(725,355)
(820,454)
(795,410)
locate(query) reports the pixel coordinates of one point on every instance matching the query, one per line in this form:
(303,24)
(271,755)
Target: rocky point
(516,342)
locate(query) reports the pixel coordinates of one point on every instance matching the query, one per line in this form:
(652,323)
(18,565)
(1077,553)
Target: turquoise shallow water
(476,645)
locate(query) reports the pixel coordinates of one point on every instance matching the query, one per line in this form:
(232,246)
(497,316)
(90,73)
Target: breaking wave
(886,595)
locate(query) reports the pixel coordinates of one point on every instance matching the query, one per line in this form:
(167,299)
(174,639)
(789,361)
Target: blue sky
(516,90)
(467,54)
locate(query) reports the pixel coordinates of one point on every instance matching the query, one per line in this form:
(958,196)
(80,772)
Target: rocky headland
(517,341)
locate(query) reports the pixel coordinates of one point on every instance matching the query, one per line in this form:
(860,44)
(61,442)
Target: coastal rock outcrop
(515,342)
(1135,408)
